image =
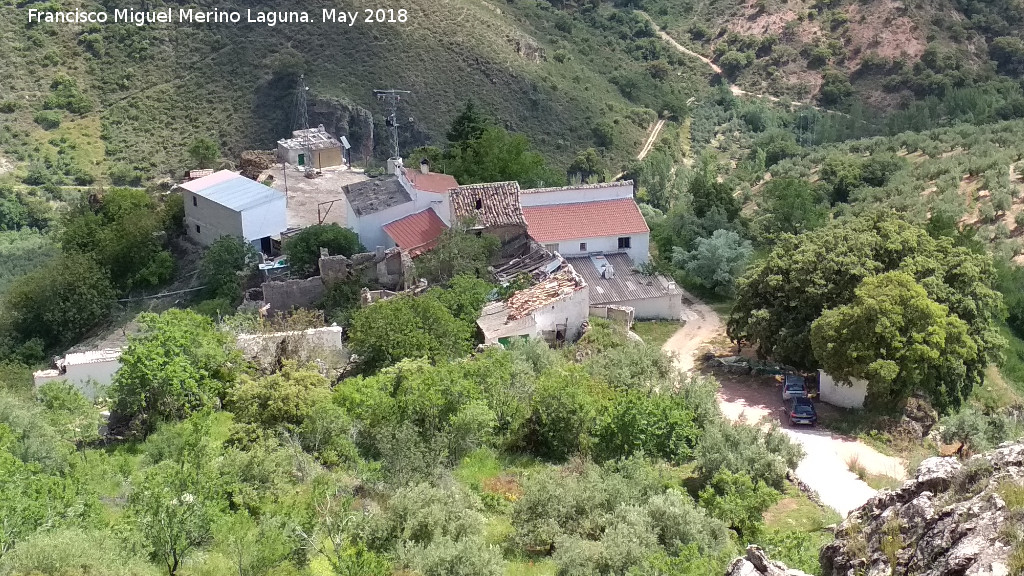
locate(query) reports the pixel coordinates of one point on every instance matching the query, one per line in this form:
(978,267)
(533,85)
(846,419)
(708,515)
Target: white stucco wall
(573,310)
(268,219)
(667,307)
(92,379)
(370,227)
(840,394)
(213,219)
(568,196)
(440,203)
(638,251)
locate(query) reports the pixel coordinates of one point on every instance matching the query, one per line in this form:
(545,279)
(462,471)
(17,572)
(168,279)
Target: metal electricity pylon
(390,99)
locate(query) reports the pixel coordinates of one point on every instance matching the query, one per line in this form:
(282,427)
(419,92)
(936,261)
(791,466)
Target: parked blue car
(801,411)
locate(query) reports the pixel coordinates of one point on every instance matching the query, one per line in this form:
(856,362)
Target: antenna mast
(303,121)
(390,99)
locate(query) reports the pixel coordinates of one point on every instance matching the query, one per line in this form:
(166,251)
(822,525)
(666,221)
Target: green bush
(738,501)
(48,119)
(303,249)
(763,455)
(64,94)
(565,410)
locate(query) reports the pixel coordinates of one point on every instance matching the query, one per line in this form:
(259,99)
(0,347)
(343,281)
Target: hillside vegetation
(119,102)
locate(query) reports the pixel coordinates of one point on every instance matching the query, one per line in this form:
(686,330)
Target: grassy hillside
(886,52)
(129,99)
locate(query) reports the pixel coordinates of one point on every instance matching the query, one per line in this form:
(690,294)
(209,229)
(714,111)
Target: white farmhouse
(226,203)
(375,204)
(588,219)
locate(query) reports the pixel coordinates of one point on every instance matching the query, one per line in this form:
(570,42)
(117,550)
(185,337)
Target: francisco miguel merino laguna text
(215,16)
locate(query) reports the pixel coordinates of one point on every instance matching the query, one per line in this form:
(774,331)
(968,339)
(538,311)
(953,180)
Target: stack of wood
(254,162)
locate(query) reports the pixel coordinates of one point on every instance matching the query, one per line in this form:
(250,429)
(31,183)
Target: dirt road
(702,325)
(736,90)
(825,467)
(655,131)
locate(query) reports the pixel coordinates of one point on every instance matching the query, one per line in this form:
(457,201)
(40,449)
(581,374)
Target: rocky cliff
(953,518)
(756,563)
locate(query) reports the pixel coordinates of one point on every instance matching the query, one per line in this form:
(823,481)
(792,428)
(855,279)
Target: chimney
(394,165)
(424,166)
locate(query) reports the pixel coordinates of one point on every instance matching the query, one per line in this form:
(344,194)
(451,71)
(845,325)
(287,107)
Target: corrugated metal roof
(624,285)
(416,233)
(233,190)
(208,180)
(554,222)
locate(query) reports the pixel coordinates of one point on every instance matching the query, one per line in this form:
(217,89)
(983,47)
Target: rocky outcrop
(950,519)
(756,563)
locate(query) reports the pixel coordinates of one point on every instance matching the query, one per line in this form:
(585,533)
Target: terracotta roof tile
(556,222)
(555,287)
(431,182)
(492,204)
(416,233)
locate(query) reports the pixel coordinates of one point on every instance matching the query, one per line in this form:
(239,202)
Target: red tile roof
(431,181)
(416,233)
(584,220)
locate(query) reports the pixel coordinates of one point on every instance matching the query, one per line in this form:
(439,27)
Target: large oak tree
(781,296)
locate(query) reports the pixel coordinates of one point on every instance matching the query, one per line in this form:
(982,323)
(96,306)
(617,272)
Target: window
(624,243)
(197,228)
(583,246)
(194,201)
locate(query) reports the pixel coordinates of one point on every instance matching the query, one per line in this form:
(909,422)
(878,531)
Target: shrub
(60,301)
(285,398)
(738,501)
(303,249)
(466,557)
(48,119)
(179,364)
(225,265)
(66,551)
(656,424)
(565,408)
(64,94)
(391,330)
(764,455)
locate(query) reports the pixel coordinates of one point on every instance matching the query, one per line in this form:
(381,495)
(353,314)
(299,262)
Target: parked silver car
(794,387)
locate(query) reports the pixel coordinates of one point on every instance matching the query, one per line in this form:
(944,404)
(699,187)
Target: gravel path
(825,465)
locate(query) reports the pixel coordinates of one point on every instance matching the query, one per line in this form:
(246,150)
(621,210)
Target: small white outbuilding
(844,395)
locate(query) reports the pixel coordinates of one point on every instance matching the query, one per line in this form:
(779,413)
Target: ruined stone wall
(285,295)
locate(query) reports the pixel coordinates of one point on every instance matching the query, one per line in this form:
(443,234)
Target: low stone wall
(321,345)
(287,294)
(619,314)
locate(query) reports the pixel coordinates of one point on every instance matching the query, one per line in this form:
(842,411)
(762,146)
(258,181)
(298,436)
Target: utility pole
(390,98)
